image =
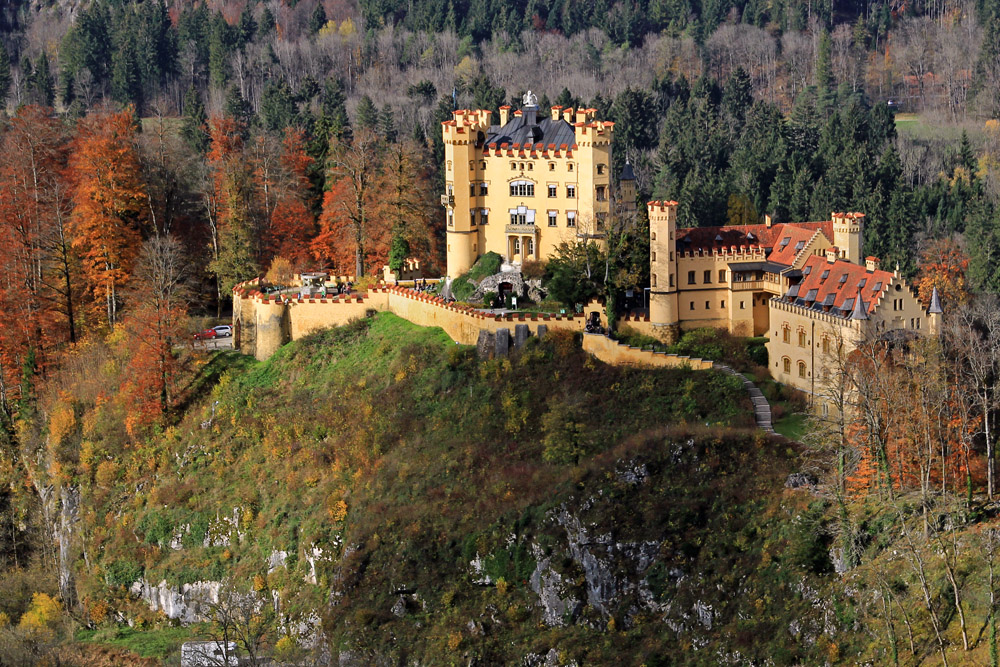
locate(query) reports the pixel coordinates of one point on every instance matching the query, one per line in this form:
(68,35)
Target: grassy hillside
(437,508)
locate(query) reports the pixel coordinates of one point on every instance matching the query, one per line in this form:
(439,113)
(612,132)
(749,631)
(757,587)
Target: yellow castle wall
(466,165)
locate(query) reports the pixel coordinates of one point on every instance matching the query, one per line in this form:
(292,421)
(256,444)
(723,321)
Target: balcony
(526,228)
(448,200)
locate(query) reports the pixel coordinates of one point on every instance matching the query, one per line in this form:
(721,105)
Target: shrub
(532,269)
(122,572)
(565,434)
(488,299)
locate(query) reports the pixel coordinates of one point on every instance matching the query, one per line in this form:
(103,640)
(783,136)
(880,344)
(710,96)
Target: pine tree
(126,84)
(238,109)
(265,26)
(5,77)
(367,114)
(194,128)
(277,106)
(318,18)
(42,84)
(247,27)
(387,124)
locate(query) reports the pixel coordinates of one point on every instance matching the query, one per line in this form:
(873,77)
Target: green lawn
(793,426)
(158,643)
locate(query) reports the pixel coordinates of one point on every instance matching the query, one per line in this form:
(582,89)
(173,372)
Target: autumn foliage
(109,203)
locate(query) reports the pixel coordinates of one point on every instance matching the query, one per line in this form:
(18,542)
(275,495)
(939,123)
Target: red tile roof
(711,238)
(840,287)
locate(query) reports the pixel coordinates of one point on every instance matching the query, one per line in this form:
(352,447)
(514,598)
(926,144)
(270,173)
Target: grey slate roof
(547,132)
(935,307)
(627,173)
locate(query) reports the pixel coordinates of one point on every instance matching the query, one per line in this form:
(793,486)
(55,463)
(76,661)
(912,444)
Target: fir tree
(194,127)
(265,26)
(5,77)
(238,108)
(387,124)
(367,114)
(318,19)
(277,106)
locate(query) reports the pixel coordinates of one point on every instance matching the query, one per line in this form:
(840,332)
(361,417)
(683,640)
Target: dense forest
(153,154)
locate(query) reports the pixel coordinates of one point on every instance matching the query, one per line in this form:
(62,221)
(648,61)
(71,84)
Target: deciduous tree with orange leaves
(109,203)
(291,225)
(36,288)
(943,264)
(353,236)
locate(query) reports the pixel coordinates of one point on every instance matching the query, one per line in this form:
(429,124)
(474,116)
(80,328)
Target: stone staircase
(761,408)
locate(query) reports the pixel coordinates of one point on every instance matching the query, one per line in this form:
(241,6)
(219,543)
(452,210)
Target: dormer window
(843,279)
(785,241)
(800,245)
(877,286)
(826,274)
(863,282)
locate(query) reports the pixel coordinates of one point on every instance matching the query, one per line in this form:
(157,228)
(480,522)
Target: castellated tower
(464,137)
(663,278)
(848,235)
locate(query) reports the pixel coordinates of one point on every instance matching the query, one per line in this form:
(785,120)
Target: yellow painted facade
(521,200)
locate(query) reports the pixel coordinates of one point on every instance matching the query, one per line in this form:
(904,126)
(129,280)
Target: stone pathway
(761,408)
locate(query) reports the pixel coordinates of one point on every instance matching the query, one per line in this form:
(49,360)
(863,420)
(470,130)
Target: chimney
(504,114)
(767,220)
(568,114)
(556,112)
(871,264)
(832,254)
(529,113)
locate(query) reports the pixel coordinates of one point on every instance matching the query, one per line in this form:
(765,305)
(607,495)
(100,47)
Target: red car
(206,334)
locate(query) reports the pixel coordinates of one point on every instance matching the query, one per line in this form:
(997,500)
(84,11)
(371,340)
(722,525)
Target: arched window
(787,365)
(786,333)
(802,369)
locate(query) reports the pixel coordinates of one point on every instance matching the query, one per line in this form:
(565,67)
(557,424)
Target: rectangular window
(531,247)
(570,191)
(722,275)
(472,217)
(671,255)
(671,280)
(571,219)
(517,246)
(600,220)
(786,335)
(690,277)
(451,218)
(692,305)
(472,189)
(653,255)
(522,189)
(484,189)
(600,169)
(484,216)
(802,339)
(708,277)
(552,218)
(707,306)
(601,193)
(743,305)
(552,192)
(723,304)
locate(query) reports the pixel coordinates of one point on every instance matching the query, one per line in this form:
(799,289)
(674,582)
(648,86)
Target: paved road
(213,344)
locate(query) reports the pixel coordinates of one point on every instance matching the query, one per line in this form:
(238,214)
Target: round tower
(663,314)
(463,137)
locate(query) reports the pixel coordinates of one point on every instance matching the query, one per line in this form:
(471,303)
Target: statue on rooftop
(529,100)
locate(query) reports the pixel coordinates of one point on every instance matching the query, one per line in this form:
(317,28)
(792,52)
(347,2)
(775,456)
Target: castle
(803,285)
(529,183)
